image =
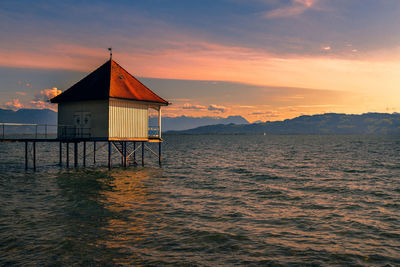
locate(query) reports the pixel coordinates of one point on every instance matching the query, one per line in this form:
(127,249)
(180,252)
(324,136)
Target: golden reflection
(134,206)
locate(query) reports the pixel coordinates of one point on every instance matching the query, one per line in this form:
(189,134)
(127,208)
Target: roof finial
(110,49)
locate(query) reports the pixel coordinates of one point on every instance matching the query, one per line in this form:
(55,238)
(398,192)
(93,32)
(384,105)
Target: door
(82,124)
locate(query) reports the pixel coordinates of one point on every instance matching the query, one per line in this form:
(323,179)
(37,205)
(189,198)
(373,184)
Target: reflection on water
(218,200)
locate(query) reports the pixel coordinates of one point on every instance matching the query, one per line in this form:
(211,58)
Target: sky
(265,60)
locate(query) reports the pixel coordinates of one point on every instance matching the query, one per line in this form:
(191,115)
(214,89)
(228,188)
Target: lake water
(217,200)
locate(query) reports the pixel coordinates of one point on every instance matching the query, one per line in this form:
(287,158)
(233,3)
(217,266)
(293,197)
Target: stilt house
(108,105)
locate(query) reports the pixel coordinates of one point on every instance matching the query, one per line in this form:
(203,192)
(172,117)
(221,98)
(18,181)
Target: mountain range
(47,116)
(329,123)
(34,116)
(185,123)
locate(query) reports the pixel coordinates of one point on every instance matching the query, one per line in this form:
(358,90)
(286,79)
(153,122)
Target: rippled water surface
(217,200)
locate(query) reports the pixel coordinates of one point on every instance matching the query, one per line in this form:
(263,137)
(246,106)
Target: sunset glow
(315,70)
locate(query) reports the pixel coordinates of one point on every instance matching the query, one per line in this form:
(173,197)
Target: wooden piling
(34,155)
(84,154)
(125,154)
(124,148)
(67,154)
(75,154)
(109,155)
(159,153)
(26,155)
(122,153)
(142,153)
(94,152)
(60,152)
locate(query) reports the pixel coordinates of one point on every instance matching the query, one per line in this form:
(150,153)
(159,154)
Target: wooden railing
(72,132)
(154,131)
(34,130)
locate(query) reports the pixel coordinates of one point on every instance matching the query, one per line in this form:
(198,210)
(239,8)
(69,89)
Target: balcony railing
(50,131)
(72,132)
(27,130)
(154,131)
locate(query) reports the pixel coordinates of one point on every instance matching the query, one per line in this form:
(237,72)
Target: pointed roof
(109,81)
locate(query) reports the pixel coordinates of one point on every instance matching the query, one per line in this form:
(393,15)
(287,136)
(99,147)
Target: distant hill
(329,123)
(38,116)
(184,122)
(47,116)
(29,116)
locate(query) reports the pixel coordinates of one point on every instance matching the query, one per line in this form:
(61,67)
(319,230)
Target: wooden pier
(127,150)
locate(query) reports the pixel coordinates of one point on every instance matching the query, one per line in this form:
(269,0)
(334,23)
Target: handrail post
(34,155)
(3,130)
(45,131)
(109,155)
(142,153)
(36,131)
(26,155)
(159,122)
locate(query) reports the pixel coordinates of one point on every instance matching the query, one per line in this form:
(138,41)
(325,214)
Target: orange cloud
(40,101)
(193,107)
(50,93)
(15,104)
(39,104)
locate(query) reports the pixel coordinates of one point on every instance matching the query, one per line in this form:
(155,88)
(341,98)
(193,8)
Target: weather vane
(110,49)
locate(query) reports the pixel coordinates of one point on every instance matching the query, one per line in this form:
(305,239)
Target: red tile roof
(109,81)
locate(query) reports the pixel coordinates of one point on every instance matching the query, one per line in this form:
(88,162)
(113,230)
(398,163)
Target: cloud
(193,107)
(246,106)
(326,48)
(46,94)
(15,104)
(217,108)
(297,7)
(262,113)
(50,93)
(42,100)
(40,104)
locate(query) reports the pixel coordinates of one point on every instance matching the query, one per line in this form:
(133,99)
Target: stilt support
(124,148)
(125,155)
(142,153)
(34,155)
(84,154)
(94,152)
(67,154)
(60,154)
(109,155)
(159,153)
(76,154)
(26,154)
(122,153)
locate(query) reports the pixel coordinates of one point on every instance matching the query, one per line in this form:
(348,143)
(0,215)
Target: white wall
(128,119)
(95,110)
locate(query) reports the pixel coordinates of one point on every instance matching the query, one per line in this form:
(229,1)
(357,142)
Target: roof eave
(147,101)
